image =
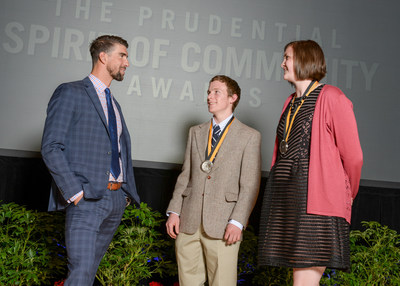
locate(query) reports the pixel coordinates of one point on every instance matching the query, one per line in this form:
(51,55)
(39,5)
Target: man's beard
(118,76)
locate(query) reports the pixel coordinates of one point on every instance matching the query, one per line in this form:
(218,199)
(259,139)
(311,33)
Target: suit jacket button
(209,177)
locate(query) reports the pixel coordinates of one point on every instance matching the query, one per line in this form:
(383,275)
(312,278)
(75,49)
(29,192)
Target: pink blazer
(335,155)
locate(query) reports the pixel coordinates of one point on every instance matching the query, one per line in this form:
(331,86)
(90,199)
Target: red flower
(154,283)
(176,284)
(59,283)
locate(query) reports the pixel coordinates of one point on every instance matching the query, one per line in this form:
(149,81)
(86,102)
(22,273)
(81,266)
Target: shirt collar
(98,84)
(223,123)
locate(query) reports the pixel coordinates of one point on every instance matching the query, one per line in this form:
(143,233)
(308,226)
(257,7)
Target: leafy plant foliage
(375,258)
(31,250)
(137,251)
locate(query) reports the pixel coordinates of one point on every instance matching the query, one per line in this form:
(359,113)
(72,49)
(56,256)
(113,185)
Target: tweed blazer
(76,145)
(229,191)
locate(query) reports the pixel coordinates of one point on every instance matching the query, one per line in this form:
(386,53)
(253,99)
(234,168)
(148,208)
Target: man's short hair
(105,44)
(231,85)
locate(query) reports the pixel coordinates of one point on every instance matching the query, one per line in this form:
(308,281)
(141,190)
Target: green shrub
(137,251)
(32,248)
(31,252)
(375,258)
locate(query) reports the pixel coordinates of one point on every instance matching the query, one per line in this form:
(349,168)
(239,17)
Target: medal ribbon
(212,152)
(288,127)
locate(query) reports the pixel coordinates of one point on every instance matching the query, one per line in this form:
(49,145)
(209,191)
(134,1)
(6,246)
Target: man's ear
(233,98)
(103,57)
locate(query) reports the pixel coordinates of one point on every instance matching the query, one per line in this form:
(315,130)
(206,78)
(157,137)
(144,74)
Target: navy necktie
(216,134)
(112,127)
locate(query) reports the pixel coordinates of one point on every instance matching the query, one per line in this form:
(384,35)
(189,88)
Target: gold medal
(206,166)
(283,147)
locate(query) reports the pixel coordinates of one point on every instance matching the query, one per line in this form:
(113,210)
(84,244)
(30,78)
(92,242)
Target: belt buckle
(112,185)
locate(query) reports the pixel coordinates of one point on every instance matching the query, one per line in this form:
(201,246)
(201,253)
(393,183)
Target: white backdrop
(175,48)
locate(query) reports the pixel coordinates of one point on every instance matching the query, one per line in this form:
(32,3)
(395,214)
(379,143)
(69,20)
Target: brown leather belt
(113,186)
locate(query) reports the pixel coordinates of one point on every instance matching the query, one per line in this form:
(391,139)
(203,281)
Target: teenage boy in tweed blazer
(214,196)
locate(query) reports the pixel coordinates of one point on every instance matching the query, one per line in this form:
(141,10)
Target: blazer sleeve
(60,116)
(249,182)
(182,183)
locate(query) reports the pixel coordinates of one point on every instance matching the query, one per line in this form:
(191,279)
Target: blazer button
(209,177)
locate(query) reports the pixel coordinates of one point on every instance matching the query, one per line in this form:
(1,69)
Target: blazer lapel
(201,137)
(231,136)
(90,90)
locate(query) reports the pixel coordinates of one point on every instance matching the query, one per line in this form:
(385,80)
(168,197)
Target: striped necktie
(216,134)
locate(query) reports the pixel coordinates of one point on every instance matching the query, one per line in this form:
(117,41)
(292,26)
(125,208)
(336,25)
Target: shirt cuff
(74,197)
(236,223)
(169,212)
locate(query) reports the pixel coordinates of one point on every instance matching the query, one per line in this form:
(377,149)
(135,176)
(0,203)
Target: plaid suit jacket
(76,146)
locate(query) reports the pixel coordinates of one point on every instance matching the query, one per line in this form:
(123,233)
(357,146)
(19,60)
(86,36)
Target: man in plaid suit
(77,150)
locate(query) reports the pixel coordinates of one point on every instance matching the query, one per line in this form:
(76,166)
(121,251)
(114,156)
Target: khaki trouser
(200,256)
